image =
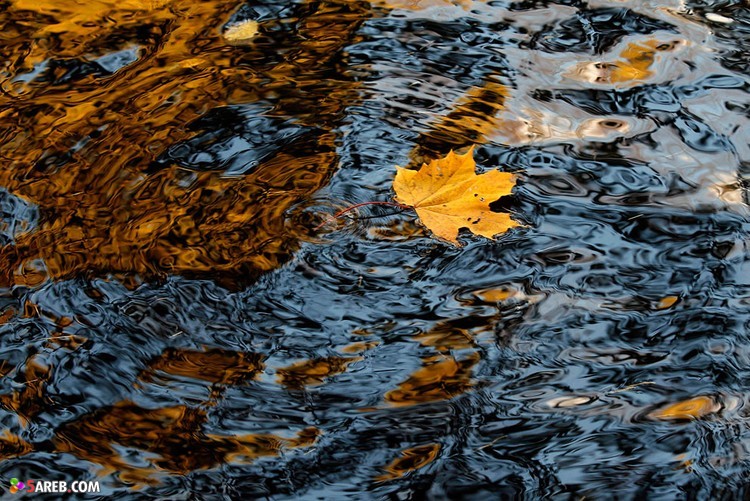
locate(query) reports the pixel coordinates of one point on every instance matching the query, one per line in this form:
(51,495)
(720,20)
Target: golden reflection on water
(439,378)
(81,151)
(313,372)
(633,66)
(173,436)
(13,446)
(691,408)
(410,460)
(212,365)
(29,400)
(492,112)
(448,373)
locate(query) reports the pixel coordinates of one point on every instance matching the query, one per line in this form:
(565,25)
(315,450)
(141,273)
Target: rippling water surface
(175,321)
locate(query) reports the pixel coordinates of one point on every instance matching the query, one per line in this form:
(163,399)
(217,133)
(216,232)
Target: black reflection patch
(699,135)
(236,140)
(594,31)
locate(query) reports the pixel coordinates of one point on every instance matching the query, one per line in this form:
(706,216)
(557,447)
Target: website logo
(32,486)
(16,485)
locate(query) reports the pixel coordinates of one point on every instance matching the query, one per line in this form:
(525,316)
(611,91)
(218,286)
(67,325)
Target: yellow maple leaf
(448,195)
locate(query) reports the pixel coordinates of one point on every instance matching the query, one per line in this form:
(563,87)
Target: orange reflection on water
(692,408)
(83,150)
(470,120)
(359,347)
(445,337)
(633,66)
(30,400)
(7,314)
(411,459)
(445,375)
(173,437)
(162,440)
(313,372)
(13,446)
(439,378)
(213,365)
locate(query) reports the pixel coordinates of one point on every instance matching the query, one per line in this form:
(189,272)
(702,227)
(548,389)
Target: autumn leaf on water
(448,195)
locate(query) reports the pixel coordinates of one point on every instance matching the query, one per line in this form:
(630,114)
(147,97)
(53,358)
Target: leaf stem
(357,206)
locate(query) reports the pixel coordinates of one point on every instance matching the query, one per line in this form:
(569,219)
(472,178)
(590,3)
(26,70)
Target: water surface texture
(180,318)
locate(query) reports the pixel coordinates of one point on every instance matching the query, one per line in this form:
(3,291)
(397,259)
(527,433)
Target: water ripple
(181,315)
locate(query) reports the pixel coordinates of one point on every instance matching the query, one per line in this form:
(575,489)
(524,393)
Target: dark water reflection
(173,326)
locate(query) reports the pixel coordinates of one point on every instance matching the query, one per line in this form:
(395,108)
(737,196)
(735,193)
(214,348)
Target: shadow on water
(173,325)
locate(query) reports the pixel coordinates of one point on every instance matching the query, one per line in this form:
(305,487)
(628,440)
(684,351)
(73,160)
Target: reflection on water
(312,372)
(410,460)
(439,378)
(173,434)
(214,365)
(85,140)
(173,323)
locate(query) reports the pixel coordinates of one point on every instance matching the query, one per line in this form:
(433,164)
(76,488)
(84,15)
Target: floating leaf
(448,195)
